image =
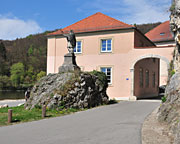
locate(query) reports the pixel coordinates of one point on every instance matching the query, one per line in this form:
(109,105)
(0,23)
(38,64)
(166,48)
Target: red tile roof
(96,22)
(160,33)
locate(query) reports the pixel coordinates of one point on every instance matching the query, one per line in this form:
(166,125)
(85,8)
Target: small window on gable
(78,48)
(106,45)
(162,33)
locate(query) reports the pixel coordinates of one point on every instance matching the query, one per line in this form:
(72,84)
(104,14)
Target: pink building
(134,65)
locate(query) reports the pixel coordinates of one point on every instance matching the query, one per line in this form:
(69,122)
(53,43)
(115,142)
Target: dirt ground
(154,132)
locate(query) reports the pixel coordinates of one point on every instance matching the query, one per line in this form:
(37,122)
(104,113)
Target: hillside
(28,55)
(144,28)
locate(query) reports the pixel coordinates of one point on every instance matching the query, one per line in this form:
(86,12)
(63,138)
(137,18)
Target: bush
(163,99)
(112,101)
(40,75)
(101,76)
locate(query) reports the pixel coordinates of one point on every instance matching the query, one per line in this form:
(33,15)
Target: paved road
(12,103)
(115,124)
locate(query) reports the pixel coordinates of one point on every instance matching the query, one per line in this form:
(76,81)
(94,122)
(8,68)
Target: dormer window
(162,33)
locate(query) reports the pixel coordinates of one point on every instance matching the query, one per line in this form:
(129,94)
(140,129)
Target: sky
(20,18)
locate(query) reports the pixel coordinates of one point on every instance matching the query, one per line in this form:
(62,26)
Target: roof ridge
(94,15)
(95,22)
(115,19)
(81,20)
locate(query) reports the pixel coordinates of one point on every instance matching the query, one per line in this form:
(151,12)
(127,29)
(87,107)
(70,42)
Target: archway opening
(147,78)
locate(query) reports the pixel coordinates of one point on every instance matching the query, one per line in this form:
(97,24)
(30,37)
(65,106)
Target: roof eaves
(52,35)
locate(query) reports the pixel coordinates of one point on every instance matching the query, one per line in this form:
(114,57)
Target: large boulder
(69,90)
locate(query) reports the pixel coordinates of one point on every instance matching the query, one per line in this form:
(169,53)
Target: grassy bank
(22,115)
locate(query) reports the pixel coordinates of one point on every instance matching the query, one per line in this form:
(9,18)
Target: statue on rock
(71,41)
(69,64)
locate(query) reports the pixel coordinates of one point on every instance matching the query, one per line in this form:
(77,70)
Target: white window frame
(110,83)
(75,49)
(106,48)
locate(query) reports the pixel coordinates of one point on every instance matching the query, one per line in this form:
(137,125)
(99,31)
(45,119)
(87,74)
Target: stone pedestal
(69,63)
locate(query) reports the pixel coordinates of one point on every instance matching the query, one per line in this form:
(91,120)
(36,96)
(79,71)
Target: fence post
(9,115)
(43,111)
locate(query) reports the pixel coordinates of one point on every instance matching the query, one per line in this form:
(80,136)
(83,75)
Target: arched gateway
(148,72)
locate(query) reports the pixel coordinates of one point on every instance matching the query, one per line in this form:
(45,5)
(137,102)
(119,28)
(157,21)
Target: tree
(40,75)
(3,63)
(2,51)
(17,74)
(5,82)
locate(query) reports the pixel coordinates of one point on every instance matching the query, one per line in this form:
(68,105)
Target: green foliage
(20,114)
(2,51)
(30,51)
(172,8)
(17,74)
(163,99)
(38,106)
(40,75)
(112,101)
(171,70)
(3,67)
(5,82)
(29,36)
(69,85)
(101,76)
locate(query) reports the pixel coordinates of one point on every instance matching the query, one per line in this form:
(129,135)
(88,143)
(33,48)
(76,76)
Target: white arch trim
(132,97)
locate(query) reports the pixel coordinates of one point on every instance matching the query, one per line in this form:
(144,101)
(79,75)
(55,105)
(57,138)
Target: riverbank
(11,95)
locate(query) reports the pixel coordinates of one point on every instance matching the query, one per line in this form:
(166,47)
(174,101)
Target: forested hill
(144,28)
(23,61)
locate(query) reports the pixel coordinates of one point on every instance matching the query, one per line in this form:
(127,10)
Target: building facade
(129,59)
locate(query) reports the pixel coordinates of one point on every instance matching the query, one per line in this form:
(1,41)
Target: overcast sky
(19,18)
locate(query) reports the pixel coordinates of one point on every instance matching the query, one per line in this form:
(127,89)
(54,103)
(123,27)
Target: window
(78,48)
(162,33)
(141,77)
(154,79)
(147,78)
(108,72)
(106,45)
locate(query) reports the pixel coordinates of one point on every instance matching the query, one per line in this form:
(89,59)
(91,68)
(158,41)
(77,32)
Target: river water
(11,95)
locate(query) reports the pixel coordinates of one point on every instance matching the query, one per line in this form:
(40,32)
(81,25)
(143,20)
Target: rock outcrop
(69,90)
(169,111)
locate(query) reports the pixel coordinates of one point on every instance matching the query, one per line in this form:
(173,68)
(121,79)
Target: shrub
(101,76)
(163,99)
(40,75)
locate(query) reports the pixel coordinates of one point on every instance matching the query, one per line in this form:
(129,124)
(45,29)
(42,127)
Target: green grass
(20,114)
